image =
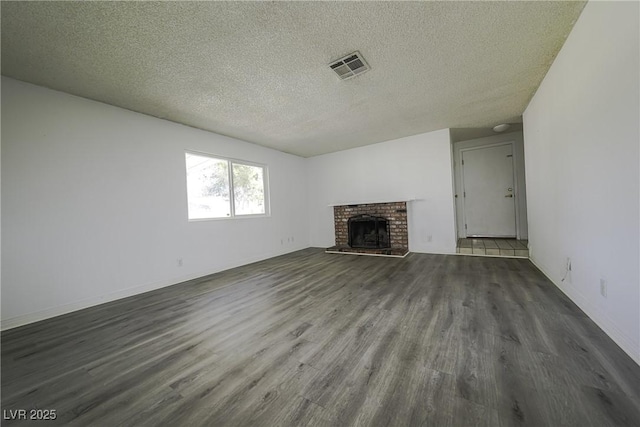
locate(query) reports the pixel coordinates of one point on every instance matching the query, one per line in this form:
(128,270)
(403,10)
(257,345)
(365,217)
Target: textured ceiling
(258,70)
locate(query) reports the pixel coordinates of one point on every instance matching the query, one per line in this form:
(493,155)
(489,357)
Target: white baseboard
(625,342)
(48,313)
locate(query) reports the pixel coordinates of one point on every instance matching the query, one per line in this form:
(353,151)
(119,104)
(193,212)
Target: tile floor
(493,247)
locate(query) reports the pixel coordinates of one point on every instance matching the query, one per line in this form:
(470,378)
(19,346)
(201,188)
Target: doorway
(488,196)
(490,193)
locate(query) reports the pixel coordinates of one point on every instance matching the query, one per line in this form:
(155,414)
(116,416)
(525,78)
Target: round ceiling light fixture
(502,127)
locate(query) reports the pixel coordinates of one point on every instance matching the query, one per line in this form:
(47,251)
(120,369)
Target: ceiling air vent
(350,66)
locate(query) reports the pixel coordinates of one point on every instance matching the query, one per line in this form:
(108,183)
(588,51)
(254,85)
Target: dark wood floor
(322,339)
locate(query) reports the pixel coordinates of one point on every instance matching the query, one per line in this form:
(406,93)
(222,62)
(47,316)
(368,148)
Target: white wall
(582,163)
(413,167)
(520,183)
(94,204)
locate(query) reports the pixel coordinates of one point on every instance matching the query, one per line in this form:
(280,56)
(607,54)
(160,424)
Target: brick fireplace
(355,232)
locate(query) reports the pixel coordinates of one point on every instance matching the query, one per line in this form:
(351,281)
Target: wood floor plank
(319,339)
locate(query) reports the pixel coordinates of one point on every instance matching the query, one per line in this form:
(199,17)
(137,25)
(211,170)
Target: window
(222,188)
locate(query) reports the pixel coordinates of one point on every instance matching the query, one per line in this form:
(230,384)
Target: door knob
(509,189)
(509,195)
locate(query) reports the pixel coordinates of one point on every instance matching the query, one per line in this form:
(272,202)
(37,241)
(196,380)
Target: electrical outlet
(603,288)
(282,241)
(179,262)
(429,238)
(568,264)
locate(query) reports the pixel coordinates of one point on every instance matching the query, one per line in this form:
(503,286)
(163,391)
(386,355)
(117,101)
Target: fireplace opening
(366,231)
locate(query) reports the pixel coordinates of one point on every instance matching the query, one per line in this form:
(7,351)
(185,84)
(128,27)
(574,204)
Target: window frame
(232,198)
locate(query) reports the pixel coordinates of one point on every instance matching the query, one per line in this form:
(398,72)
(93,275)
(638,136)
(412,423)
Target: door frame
(516,190)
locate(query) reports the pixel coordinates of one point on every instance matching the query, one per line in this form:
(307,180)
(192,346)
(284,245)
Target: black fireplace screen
(366,231)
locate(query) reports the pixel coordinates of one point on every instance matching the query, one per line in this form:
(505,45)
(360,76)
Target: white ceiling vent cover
(350,66)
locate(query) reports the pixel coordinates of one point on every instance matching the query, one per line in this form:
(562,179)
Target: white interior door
(489,194)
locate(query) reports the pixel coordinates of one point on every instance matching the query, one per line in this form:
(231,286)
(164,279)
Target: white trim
(231,159)
(227,218)
(48,313)
(494,256)
(371,202)
(232,192)
(603,321)
(489,236)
